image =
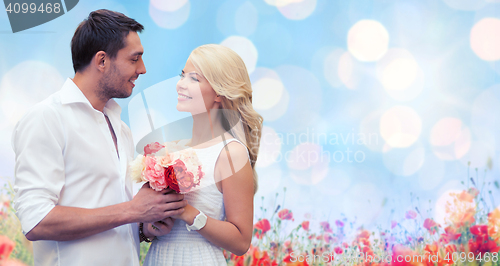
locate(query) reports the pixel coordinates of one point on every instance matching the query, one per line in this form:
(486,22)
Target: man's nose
(142,68)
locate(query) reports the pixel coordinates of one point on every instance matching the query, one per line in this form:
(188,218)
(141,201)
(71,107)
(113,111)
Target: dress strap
(227,141)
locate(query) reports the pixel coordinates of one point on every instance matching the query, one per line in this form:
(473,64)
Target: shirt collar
(70,93)
(112,107)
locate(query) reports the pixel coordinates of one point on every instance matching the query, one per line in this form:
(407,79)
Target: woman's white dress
(183,247)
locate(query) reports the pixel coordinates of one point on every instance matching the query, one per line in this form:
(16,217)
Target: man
(73,192)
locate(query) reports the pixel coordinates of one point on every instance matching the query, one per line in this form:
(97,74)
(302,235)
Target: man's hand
(69,223)
(160,228)
(150,206)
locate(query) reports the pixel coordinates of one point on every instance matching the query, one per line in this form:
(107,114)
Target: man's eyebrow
(137,53)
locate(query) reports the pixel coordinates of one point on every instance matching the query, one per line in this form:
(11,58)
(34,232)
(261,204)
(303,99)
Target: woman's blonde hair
(227,74)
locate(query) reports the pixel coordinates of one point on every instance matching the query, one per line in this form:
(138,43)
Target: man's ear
(100,61)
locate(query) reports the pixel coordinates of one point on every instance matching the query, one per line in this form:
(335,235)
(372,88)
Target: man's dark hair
(103,30)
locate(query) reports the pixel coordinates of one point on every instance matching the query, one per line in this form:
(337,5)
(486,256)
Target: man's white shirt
(65,155)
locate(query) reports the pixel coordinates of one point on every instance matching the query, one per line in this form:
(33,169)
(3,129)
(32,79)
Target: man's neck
(88,85)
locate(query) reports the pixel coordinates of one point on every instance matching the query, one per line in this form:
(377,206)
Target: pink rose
(184,178)
(152,148)
(155,174)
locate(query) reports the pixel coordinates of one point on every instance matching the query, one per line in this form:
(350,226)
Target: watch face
(200,221)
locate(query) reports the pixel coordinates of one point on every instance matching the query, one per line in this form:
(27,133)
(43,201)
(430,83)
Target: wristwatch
(199,222)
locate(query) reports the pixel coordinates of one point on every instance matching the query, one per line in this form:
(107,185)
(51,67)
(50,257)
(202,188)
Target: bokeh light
(431,173)
(368,40)
(407,21)
(400,75)
(280,3)
(169,14)
(274,43)
(370,126)
(485,39)
(331,67)
(296,10)
(479,154)
(356,206)
(336,183)
(404,162)
(266,82)
(305,94)
(270,148)
(269,180)
(246,18)
(347,70)
(400,126)
(267,91)
(450,138)
(18,93)
(467,5)
(245,49)
(485,119)
(440,213)
(308,163)
(168,5)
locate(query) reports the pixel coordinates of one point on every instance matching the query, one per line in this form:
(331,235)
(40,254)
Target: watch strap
(199,222)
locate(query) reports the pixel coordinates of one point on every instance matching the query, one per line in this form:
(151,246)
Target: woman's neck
(207,126)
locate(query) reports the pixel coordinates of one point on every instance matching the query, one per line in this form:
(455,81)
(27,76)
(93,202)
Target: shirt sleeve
(38,142)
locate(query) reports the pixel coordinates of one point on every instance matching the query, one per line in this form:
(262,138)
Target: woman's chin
(181,108)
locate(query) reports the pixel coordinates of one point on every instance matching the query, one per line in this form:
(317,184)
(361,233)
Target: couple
(73,189)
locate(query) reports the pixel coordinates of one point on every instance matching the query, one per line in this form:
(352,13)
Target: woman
(215,88)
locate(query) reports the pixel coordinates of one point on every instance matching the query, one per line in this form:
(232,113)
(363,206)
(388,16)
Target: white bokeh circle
(294,9)
(26,84)
(246,19)
(245,49)
(270,148)
(404,162)
(165,14)
(269,96)
(400,74)
(267,92)
(368,40)
(466,5)
(400,126)
(308,163)
(168,5)
(485,39)
(331,67)
(450,139)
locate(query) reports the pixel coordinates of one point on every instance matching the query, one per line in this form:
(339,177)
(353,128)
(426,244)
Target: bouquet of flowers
(170,165)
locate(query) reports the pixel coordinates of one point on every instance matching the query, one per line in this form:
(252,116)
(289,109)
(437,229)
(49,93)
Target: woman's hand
(159,228)
(188,215)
